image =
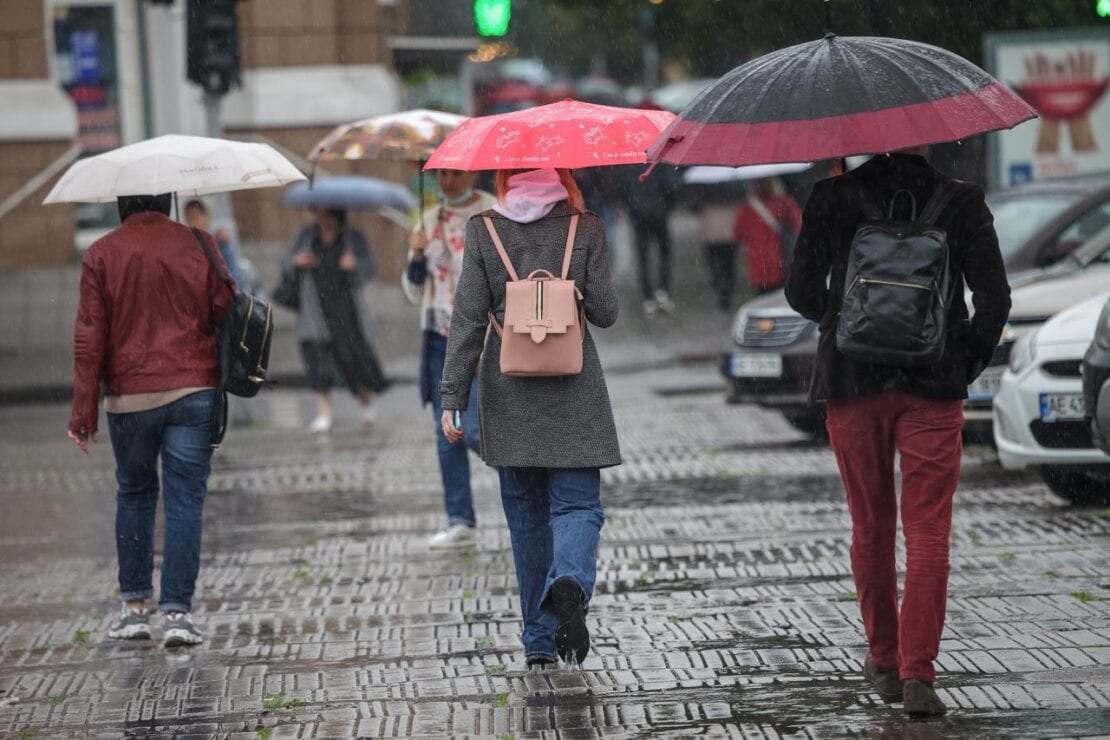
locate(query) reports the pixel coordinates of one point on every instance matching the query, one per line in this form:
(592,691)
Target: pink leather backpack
(544,321)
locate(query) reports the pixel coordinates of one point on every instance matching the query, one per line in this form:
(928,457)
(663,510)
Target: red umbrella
(568,134)
(836,97)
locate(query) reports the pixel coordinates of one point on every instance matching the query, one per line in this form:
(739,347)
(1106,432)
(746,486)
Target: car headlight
(1024,352)
(738,325)
(1102,331)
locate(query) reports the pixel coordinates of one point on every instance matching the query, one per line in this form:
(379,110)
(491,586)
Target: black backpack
(898,286)
(244,344)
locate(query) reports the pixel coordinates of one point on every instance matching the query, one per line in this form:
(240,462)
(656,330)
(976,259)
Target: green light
(1103,8)
(492,16)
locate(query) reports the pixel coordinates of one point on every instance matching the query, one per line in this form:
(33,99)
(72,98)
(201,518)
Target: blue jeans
(454,465)
(555,518)
(180,433)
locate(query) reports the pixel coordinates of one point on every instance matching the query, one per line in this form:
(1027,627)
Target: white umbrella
(711,175)
(187,165)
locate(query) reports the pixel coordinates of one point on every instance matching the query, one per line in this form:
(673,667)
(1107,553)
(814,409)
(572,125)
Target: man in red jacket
(146,328)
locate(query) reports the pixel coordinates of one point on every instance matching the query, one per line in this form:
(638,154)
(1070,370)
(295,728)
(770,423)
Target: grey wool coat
(559,422)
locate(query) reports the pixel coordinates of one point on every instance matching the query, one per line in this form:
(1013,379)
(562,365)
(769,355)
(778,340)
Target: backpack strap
(500,249)
(570,245)
(939,201)
(221,273)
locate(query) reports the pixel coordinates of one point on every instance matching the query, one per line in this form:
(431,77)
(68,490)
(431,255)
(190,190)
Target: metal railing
(44,175)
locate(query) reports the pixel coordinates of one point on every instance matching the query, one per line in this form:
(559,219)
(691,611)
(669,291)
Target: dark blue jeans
(454,465)
(180,433)
(555,518)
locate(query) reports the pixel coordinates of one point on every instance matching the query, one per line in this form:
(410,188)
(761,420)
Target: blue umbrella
(349,192)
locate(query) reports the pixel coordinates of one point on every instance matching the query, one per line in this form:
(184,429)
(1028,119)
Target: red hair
(574,195)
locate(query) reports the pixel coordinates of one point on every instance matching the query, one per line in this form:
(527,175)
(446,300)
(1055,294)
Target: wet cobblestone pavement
(724,605)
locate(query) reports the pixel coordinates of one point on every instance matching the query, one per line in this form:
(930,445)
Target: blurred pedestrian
(876,410)
(197,217)
(548,436)
(649,204)
(431,279)
(716,207)
(154,349)
(330,262)
(767,224)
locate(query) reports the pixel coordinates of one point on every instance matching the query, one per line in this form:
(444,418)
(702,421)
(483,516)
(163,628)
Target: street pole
(219,203)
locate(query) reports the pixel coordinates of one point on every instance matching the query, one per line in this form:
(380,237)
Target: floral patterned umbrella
(410,135)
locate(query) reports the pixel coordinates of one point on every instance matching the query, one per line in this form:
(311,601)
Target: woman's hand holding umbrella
(348,262)
(305,260)
(418,242)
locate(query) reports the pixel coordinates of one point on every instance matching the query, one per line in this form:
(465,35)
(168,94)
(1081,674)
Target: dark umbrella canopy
(349,192)
(836,97)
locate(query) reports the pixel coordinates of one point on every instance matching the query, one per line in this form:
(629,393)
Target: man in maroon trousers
(876,410)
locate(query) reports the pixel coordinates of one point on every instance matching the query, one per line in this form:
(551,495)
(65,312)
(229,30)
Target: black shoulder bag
(244,345)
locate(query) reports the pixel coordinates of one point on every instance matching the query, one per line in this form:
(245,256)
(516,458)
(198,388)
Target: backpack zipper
(895,283)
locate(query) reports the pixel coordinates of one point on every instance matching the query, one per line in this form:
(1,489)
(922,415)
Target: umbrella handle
(420,186)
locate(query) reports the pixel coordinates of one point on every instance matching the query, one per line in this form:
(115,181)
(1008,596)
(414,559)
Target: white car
(1039,412)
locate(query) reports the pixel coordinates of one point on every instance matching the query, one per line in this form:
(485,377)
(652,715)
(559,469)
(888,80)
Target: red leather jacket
(150,308)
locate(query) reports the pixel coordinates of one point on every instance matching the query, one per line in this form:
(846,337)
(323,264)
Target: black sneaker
(572,637)
(539,660)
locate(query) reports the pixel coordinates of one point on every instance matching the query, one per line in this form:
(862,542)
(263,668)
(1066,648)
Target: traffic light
(492,16)
(1103,8)
(212,45)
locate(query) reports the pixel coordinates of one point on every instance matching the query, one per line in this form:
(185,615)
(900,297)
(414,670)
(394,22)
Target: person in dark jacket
(649,203)
(549,437)
(154,349)
(332,261)
(875,411)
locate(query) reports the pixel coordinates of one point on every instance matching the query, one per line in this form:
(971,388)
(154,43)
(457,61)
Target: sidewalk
(38,306)
(724,606)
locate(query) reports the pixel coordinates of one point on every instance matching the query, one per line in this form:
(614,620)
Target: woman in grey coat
(549,437)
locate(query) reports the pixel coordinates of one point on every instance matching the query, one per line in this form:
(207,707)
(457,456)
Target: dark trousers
(454,463)
(865,433)
(651,230)
(720,259)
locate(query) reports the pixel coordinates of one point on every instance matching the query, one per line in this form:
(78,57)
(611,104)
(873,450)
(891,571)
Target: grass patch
(848,596)
(483,642)
(81,637)
(301,563)
(1007,557)
(501,701)
(495,670)
(28,735)
(264,733)
(468,617)
(274,702)
(300,574)
(1050,574)
(469,593)
(506,736)
(1082,597)
(56,699)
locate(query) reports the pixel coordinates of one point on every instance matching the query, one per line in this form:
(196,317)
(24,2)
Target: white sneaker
(133,624)
(457,535)
(320,425)
(369,415)
(663,300)
(649,307)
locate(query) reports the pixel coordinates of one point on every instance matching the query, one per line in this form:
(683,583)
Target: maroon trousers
(865,433)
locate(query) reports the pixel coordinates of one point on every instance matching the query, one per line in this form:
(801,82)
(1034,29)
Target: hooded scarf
(532,195)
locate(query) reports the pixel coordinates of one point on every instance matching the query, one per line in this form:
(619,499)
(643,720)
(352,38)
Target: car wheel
(808,422)
(1081,486)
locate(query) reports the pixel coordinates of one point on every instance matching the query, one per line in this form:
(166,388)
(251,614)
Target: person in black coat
(877,410)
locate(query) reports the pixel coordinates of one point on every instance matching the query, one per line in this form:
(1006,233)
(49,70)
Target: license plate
(757,366)
(1061,407)
(986,386)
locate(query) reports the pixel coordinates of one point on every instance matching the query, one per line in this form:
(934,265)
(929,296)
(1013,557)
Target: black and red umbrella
(836,97)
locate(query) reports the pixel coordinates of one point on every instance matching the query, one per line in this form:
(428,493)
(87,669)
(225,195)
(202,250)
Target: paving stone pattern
(724,605)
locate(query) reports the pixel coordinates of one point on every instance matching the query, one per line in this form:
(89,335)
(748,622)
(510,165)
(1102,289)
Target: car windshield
(1019,217)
